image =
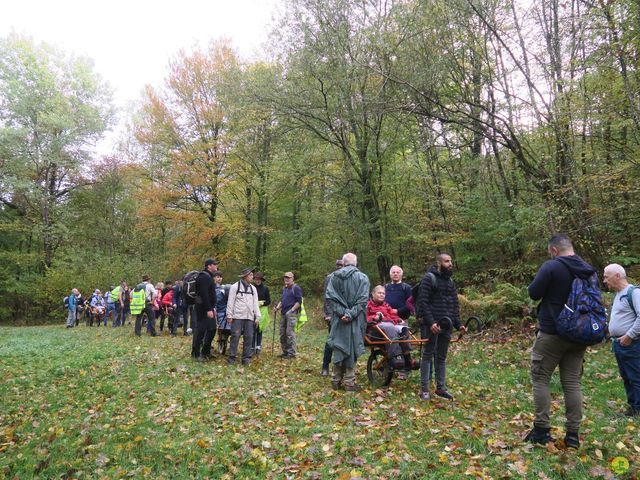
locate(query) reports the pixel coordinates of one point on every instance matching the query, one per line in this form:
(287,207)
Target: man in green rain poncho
(347,293)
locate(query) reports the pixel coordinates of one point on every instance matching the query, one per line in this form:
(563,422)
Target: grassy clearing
(100,403)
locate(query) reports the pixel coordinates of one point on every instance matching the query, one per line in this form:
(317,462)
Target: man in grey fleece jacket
(243,313)
(624,328)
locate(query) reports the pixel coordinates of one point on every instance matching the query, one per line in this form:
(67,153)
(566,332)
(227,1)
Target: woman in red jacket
(380,314)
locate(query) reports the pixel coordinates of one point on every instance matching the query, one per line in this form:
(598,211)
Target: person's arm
(634,332)
(539,285)
(267,296)
(256,306)
(372,314)
(231,301)
(297,295)
(424,301)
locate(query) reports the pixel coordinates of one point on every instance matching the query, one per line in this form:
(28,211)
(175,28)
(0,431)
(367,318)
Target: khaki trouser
(343,375)
(551,351)
(288,334)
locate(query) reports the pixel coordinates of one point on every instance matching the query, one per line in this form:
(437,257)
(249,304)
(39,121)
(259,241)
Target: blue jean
(111,309)
(628,359)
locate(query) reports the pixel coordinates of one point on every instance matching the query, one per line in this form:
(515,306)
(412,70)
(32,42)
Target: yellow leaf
(201,443)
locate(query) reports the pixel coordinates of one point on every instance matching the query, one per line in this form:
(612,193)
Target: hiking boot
(630,412)
(352,388)
(572,440)
(425,396)
(335,385)
(444,394)
(325,372)
(231,361)
(539,435)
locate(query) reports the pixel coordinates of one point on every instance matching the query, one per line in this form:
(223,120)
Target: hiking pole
(273,340)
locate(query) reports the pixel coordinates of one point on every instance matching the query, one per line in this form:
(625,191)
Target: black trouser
(151,321)
(203,334)
(328,352)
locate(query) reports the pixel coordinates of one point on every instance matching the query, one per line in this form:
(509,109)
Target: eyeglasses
(286,277)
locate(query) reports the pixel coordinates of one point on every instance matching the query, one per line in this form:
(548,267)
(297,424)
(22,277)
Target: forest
(395,129)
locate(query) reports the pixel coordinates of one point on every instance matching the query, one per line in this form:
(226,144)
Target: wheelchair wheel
(379,371)
(473,325)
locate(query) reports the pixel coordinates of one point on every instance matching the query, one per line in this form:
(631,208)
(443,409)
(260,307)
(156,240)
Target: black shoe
(352,388)
(444,394)
(572,440)
(630,412)
(539,435)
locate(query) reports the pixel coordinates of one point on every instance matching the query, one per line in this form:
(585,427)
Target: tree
(53,108)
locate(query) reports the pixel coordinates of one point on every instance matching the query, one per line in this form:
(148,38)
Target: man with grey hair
(398,292)
(624,328)
(347,293)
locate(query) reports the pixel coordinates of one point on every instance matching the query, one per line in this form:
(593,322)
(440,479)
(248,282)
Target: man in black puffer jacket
(205,312)
(437,298)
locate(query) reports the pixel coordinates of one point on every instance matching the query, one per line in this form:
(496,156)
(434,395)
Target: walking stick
(273,340)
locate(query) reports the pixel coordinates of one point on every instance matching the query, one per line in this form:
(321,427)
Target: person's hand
(394,310)
(463,329)
(210,314)
(175,306)
(625,340)
(435,328)
(345,318)
(260,303)
(379,316)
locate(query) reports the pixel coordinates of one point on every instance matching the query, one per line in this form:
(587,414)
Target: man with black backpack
(205,312)
(553,286)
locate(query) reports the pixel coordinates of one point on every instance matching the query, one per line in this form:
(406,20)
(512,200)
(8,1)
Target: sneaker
(424,396)
(325,372)
(572,440)
(539,435)
(444,394)
(352,388)
(630,412)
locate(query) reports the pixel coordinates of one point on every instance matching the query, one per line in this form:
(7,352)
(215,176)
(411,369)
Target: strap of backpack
(629,296)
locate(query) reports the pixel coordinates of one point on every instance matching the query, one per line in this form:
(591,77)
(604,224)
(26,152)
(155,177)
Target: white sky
(132,41)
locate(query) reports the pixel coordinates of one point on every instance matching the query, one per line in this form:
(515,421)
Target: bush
(507,303)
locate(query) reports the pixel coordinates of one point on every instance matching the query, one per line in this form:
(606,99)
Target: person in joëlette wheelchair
(381,317)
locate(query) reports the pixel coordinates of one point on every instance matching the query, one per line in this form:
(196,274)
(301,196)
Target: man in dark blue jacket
(437,298)
(552,285)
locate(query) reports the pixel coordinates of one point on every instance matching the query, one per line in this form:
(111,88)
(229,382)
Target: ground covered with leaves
(101,403)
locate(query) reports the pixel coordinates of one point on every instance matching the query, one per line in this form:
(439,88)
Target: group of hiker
(571,316)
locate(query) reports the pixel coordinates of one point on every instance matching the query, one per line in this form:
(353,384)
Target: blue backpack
(583,318)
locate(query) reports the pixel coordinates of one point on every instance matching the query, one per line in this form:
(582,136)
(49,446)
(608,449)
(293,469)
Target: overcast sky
(132,41)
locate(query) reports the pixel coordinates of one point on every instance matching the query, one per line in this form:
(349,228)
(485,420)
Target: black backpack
(65,302)
(415,290)
(189,287)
